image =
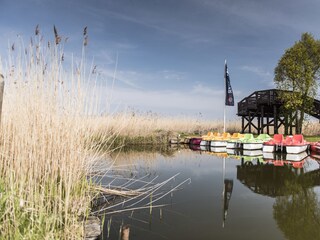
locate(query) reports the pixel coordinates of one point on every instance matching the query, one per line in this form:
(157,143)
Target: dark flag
(229,94)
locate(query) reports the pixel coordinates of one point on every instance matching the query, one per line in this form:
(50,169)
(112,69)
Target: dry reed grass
(149,128)
(43,158)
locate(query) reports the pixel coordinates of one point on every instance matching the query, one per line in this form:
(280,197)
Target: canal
(213,194)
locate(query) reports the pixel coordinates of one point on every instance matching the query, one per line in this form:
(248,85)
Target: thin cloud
(168,101)
(257,70)
(202,90)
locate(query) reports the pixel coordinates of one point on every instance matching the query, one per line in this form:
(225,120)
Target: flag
(229,94)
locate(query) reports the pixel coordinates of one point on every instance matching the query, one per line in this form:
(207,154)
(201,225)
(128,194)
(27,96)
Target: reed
(134,128)
(44,156)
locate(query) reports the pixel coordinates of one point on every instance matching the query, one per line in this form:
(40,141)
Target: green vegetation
(298,71)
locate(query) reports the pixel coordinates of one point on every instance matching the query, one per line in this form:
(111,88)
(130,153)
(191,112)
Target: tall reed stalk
(43,153)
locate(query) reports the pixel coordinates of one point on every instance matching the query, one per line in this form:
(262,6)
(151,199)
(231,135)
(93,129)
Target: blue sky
(171,53)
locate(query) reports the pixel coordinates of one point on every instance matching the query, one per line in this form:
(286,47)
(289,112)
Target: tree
(297,73)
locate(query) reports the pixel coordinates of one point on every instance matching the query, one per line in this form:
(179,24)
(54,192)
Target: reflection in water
(296,208)
(298,214)
(290,187)
(271,176)
(228,186)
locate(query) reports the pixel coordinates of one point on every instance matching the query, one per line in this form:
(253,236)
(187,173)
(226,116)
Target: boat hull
(204,143)
(252,146)
(195,141)
(294,149)
(233,145)
(315,147)
(268,148)
(218,144)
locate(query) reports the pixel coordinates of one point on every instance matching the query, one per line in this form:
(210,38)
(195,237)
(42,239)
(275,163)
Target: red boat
(195,141)
(291,144)
(315,147)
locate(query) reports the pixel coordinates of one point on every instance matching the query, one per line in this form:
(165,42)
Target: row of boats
(292,144)
(248,157)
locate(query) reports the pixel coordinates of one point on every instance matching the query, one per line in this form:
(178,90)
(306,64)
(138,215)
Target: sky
(167,56)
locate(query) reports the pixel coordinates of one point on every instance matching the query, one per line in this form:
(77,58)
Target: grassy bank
(148,128)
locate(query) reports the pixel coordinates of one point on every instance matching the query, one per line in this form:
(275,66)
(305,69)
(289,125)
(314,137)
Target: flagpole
(224,102)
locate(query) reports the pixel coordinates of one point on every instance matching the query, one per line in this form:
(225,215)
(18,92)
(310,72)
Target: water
(223,197)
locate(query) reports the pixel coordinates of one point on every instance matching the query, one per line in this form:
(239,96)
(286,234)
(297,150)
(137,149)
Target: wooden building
(262,112)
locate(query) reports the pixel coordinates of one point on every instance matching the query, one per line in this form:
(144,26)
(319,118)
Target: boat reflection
(271,174)
(218,149)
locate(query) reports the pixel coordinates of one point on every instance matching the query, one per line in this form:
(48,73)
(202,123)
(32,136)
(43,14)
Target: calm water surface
(222,196)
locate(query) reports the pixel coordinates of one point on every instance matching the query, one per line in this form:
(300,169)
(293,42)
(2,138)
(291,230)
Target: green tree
(298,71)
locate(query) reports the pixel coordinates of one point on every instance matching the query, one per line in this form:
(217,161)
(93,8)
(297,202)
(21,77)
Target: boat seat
(288,140)
(236,136)
(298,138)
(263,137)
(278,138)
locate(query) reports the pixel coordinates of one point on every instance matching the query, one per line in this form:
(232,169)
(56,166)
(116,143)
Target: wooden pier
(262,111)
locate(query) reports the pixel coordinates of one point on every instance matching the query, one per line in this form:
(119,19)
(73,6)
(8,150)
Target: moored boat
(291,144)
(295,144)
(206,139)
(274,144)
(195,141)
(232,142)
(252,143)
(236,142)
(220,141)
(315,147)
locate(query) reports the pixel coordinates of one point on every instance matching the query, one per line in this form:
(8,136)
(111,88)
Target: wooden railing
(269,98)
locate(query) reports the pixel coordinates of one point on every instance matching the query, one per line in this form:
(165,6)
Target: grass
(149,128)
(44,156)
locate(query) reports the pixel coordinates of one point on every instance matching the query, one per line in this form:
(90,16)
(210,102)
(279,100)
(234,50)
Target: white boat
(294,149)
(204,143)
(291,144)
(268,148)
(233,144)
(252,143)
(252,146)
(217,143)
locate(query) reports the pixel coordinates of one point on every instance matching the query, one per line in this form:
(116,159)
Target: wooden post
(249,122)
(275,119)
(286,124)
(1,93)
(242,124)
(262,118)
